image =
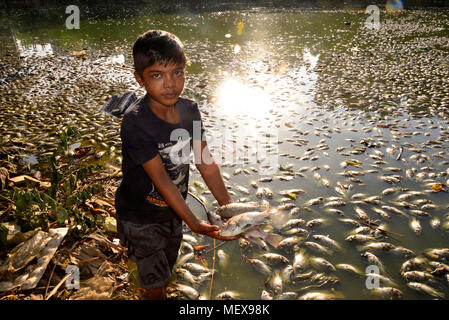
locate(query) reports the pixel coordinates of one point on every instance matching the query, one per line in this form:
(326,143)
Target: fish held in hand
(232,209)
(248,224)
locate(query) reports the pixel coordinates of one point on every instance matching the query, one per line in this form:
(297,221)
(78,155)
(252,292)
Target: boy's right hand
(210,230)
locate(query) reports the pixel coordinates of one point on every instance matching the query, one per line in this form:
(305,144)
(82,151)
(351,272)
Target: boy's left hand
(210,230)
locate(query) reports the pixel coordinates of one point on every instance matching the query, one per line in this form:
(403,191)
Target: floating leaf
(240,27)
(437,187)
(198,248)
(292,196)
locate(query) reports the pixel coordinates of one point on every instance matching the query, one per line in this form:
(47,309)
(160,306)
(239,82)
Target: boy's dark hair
(157,46)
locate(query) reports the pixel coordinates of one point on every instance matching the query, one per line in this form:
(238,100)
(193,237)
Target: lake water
(302,82)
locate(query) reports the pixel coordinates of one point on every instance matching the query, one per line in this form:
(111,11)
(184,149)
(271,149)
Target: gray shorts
(153,247)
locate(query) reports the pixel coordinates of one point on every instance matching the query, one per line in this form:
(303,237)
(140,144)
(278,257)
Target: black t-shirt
(144,136)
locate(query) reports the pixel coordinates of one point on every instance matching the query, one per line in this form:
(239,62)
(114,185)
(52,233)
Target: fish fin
(274,239)
(278,218)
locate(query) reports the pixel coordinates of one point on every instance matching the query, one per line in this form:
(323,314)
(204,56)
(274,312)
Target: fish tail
(274,239)
(278,218)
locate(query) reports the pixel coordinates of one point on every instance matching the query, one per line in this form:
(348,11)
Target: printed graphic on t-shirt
(175,156)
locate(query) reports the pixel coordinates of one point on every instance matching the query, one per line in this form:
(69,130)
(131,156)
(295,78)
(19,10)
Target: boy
(150,201)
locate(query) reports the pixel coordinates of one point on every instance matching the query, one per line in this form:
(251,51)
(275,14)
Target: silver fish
(260,266)
(299,263)
(322,264)
(425,289)
(276,283)
(387,292)
(275,258)
(235,208)
(349,268)
(317,247)
(227,295)
(330,243)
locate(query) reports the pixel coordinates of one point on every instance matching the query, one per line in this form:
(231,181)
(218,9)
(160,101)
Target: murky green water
(310,78)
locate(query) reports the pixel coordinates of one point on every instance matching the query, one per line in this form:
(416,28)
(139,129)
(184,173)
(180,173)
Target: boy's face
(164,84)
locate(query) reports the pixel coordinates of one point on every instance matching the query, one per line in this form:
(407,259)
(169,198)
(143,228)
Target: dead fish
(292,223)
(389,191)
(415,225)
(299,263)
(387,292)
(428,206)
(275,258)
(259,192)
(425,289)
(373,199)
(188,291)
(286,206)
(322,264)
(195,268)
(437,254)
(393,210)
(337,203)
(361,214)
(382,213)
(350,221)
(222,257)
(317,247)
(362,230)
(359,196)
(289,242)
(295,231)
(349,268)
(336,211)
(276,283)
(260,267)
(186,276)
(318,296)
(235,208)
(419,213)
(286,296)
(379,246)
(227,295)
(403,251)
(417,276)
(414,263)
(360,238)
(243,190)
(268,193)
(291,191)
(384,281)
(315,222)
(330,243)
(373,259)
(315,201)
(265,295)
